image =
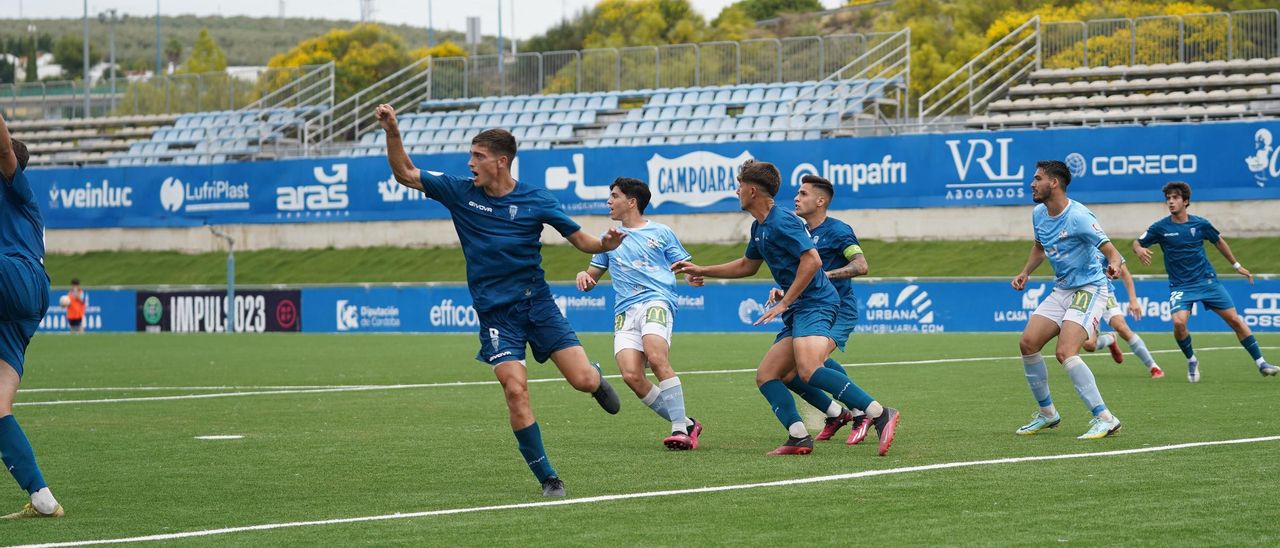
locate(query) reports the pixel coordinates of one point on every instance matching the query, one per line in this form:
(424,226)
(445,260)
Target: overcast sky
(531,17)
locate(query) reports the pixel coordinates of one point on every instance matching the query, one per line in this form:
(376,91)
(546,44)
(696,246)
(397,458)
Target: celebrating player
(499,223)
(1068,234)
(1192,279)
(24,298)
(1114,317)
(808,307)
(646,302)
(842,259)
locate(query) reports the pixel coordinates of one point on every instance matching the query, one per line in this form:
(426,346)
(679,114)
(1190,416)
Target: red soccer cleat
(679,441)
(886,424)
(1156,372)
(794,446)
(860,426)
(695,431)
(834,424)
(1116,354)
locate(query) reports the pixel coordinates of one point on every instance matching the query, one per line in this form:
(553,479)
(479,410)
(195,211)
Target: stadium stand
(85,140)
(216,137)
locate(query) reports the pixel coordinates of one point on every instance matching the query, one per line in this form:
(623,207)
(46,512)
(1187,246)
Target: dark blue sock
(817,398)
(831,363)
(18,457)
(841,388)
(530,440)
(784,406)
(1185,345)
(1251,344)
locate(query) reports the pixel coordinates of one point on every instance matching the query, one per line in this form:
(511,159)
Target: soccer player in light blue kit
(808,307)
(1069,235)
(644,313)
(1191,277)
(842,260)
(499,223)
(24,298)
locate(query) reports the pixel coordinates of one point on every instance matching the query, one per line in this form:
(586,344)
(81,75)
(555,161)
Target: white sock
(797,430)
(1106,415)
(1105,340)
(834,410)
(874,410)
(1261,361)
(43,501)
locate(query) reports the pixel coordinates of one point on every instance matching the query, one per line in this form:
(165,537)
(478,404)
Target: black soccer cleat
(552,487)
(605,396)
(794,446)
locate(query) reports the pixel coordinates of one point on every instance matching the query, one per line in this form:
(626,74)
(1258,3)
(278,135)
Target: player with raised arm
(842,260)
(499,224)
(1192,279)
(644,313)
(1069,235)
(808,308)
(1114,317)
(24,299)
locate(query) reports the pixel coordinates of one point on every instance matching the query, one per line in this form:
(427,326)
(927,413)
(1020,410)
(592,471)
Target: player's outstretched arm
(1144,254)
(8,158)
(1033,262)
(857,267)
(1226,252)
(737,268)
(401,166)
(1114,259)
(587,278)
(587,243)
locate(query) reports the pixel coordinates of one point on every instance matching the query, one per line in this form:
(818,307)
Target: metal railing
(884,67)
(403,89)
(988,75)
(1188,38)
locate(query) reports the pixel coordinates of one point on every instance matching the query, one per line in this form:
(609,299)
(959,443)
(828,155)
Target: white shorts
(640,319)
(1112,308)
(1081,305)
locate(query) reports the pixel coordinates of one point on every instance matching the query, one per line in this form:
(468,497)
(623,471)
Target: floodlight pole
(231,277)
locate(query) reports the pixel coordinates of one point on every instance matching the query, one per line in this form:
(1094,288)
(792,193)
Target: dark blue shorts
(24,298)
(536,321)
(1212,294)
(846,320)
(813,320)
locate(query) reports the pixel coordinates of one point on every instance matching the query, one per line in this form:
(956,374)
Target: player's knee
(1090,346)
(1028,346)
(586,380)
(1063,354)
(634,378)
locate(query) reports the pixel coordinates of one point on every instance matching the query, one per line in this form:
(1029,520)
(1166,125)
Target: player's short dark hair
(75,281)
(20,150)
(497,141)
(820,184)
(1177,187)
(1055,169)
(635,189)
(762,174)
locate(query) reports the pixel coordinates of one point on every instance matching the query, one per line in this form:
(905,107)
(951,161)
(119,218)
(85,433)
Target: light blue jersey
(1070,242)
(641,266)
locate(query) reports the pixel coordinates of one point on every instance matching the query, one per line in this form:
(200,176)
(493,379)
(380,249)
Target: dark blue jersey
(21,225)
(780,241)
(1183,246)
(501,237)
(836,244)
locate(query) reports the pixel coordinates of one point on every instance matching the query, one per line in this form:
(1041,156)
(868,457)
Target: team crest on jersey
(1062,234)
(1193,232)
(512,211)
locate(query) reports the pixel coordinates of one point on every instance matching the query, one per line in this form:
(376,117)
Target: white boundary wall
(1121,221)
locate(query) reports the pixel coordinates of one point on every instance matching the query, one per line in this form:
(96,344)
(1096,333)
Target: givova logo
(910,311)
(327,197)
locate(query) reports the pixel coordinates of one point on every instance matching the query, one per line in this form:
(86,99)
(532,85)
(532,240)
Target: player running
(1069,235)
(1114,317)
(1192,279)
(24,298)
(808,307)
(644,314)
(499,224)
(842,260)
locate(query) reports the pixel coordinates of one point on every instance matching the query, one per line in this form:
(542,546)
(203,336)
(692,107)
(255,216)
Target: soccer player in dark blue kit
(499,223)
(1191,277)
(842,260)
(809,307)
(24,298)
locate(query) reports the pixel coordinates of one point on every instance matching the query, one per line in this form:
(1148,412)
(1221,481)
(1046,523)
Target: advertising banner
(257,311)
(105,310)
(1222,161)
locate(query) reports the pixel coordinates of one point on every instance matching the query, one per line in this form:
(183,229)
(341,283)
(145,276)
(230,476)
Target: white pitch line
(652,494)
(179,388)
(275,391)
